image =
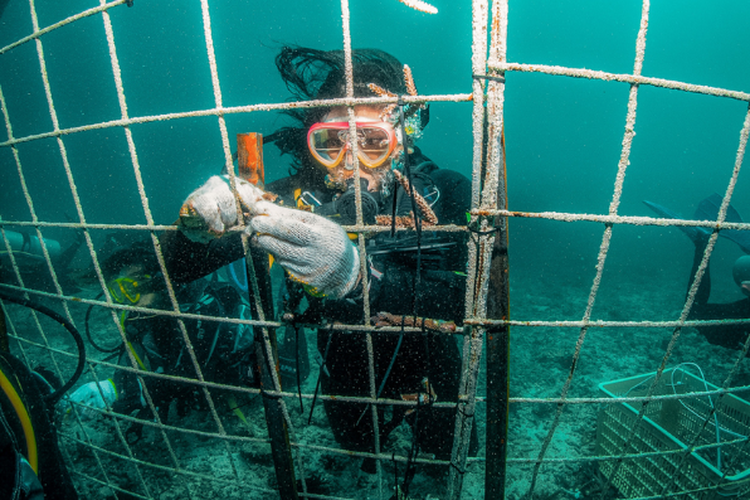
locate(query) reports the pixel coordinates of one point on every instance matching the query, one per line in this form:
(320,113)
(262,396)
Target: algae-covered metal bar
(498,338)
(487,285)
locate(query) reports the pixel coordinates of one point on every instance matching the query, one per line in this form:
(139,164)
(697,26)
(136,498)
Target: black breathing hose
(58,394)
(119,347)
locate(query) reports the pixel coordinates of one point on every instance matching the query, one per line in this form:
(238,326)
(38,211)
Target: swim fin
(708,209)
(697,235)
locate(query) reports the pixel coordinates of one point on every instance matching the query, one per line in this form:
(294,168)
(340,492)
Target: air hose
(117,349)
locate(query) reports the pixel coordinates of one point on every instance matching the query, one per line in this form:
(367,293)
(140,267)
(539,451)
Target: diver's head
(133,275)
(315,74)
(376,142)
(741,273)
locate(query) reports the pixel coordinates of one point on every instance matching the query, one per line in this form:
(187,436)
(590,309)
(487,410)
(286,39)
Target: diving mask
(131,290)
(329,141)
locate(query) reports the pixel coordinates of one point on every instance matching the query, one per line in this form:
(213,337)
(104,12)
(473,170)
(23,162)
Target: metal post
(498,348)
(250,166)
(261,301)
(494,193)
(487,287)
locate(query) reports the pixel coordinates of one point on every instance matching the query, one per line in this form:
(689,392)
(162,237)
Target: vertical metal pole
(498,307)
(498,349)
(250,166)
(487,288)
(266,355)
(476,287)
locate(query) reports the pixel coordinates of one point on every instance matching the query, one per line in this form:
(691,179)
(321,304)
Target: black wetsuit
(730,336)
(223,351)
(436,291)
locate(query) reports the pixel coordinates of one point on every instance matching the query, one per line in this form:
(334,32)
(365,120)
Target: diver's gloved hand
(314,250)
(210,210)
(90,395)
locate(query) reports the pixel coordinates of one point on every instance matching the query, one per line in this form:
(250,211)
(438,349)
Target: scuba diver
(729,336)
(31,466)
(411,274)
(223,351)
(33,269)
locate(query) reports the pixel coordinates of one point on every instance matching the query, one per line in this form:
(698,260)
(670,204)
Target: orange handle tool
(250,158)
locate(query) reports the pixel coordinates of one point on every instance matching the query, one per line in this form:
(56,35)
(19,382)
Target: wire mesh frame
(498,65)
(125,121)
(481,208)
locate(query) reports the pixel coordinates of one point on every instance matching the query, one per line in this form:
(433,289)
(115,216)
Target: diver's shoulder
(283,185)
(423,164)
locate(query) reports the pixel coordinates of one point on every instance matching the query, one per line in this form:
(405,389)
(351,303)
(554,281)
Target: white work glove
(210,210)
(314,250)
(89,395)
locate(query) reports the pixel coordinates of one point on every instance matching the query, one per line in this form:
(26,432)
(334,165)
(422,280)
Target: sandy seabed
(540,362)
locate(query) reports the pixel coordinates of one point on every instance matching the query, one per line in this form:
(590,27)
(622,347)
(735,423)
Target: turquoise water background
(563,135)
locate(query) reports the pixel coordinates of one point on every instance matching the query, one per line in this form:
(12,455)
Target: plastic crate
(672,425)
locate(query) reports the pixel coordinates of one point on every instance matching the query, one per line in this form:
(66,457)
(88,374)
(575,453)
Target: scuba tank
(30,245)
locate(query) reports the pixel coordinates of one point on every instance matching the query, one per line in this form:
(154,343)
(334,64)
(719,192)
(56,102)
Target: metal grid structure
(117,468)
